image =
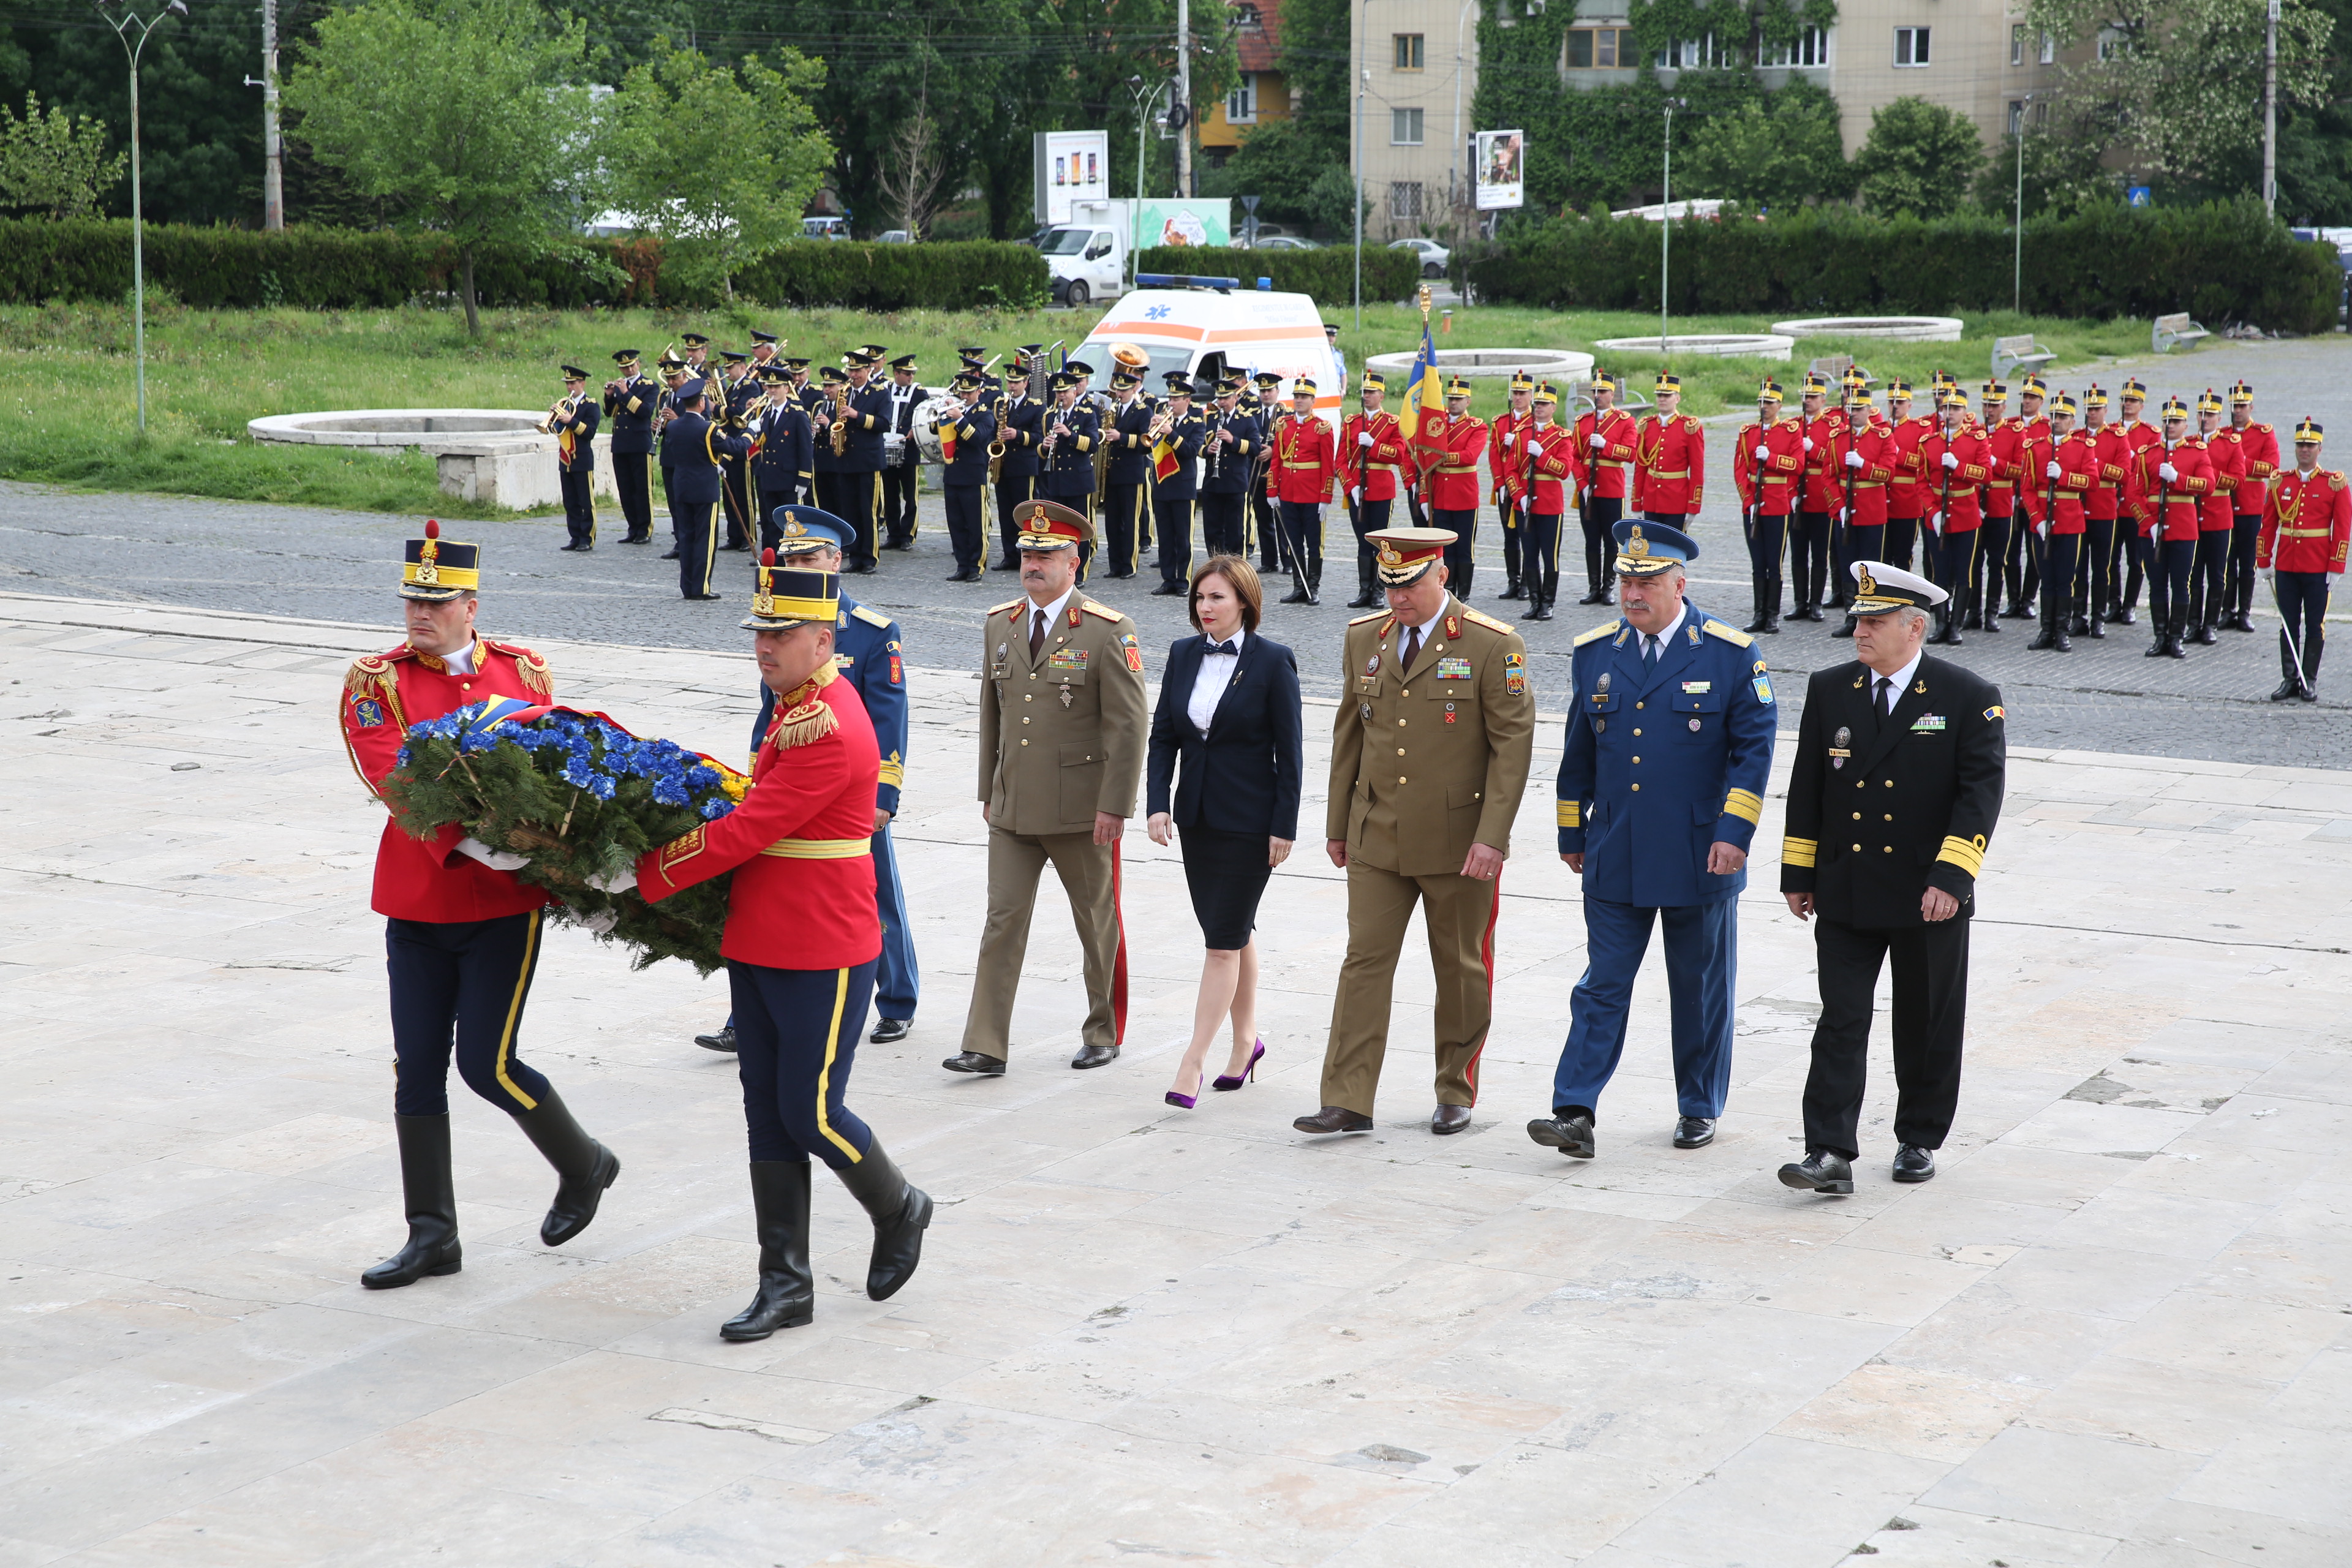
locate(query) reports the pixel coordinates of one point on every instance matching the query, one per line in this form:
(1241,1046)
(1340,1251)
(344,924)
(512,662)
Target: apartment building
(1420,65)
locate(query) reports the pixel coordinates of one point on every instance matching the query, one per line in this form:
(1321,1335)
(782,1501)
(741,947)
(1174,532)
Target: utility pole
(1184,97)
(1665,217)
(1363,74)
(273,151)
(2270,110)
(2017,275)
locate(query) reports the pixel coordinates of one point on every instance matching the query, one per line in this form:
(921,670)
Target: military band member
(1229,448)
(1176,484)
(461,935)
(1066,459)
(2004,440)
(1021,427)
(2095,590)
(2134,549)
(2171,479)
(765,347)
(1610,440)
(1449,448)
(2209,577)
(866,412)
(1820,493)
(2306,532)
(783,452)
(629,401)
(899,477)
(574,421)
(1767,470)
(696,448)
(1555,466)
(824,402)
(1866,456)
(2259,444)
(1264,406)
(1062,728)
(2062,464)
(801,944)
(1658,829)
(1430,752)
(1919,743)
(1125,434)
(731,397)
(1371,454)
(964,441)
(1957,462)
(1507,469)
(1304,468)
(697,361)
(672,371)
(1907,492)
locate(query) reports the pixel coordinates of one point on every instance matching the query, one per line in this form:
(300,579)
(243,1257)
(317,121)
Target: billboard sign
(1193,222)
(1499,169)
(1070,166)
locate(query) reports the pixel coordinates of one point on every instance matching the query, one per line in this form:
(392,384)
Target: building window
(2016,121)
(1404,127)
(1695,54)
(1241,104)
(2016,45)
(1911,46)
(1404,200)
(1812,48)
(1600,48)
(1408,51)
(1246,16)
(2049,50)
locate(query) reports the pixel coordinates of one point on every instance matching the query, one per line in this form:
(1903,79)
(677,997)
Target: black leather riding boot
(787,1294)
(431,1198)
(583,1166)
(900,1212)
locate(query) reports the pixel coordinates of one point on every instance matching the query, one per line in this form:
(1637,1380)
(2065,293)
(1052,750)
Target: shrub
(1327,274)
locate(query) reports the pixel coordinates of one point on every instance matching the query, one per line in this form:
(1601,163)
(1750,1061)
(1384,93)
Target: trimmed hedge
(2227,261)
(90,259)
(1328,275)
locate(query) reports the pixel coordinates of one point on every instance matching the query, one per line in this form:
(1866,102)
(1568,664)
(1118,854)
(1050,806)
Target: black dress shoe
(1820,1171)
(890,1030)
(972,1061)
(571,547)
(862,568)
(669,554)
(704,598)
(1170,591)
(2286,689)
(1694,1132)
(1594,597)
(963,574)
(1450,1119)
(724,1040)
(1571,1135)
(1095,1057)
(1913,1163)
(1334,1119)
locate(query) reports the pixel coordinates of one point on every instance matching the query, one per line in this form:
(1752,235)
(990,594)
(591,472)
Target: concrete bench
(2012,354)
(2174,329)
(1831,368)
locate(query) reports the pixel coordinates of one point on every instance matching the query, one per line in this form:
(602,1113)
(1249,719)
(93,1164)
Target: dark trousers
(1768,536)
(1949,560)
(633,477)
(1175,527)
(735,497)
(898,518)
(1809,557)
(2245,532)
(2060,556)
(1931,1003)
(579,503)
(2130,562)
(1863,543)
(1265,527)
(1702,968)
(2303,604)
(1122,527)
(967,528)
(825,491)
(1600,515)
(1081,501)
(2093,585)
(1460,556)
(861,505)
(1010,493)
(698,545)
(1302,539)
(796,1033)
(1901,534)
(1539,553)
(2206,577)
(1990,560)
(1223,525)
(2168,566)
(770,532)
(1841,552)
(669,507)
(1514,569)
(2025,565)
(461,985)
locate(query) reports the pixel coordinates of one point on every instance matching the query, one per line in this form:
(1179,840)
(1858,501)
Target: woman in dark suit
(1229,711)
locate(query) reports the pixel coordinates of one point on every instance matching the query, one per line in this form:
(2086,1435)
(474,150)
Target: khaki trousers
(1459,912)
(1089,873)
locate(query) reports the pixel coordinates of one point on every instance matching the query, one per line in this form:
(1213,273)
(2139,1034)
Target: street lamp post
(122,26)
(1143,102)
(1363,78)
(2017,223)
(1666,217)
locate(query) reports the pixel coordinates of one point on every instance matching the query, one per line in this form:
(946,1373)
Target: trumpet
(562,411)
(1161,423)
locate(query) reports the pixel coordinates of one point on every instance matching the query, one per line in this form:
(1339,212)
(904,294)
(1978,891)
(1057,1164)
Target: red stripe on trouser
(1486,958)
(1119,956)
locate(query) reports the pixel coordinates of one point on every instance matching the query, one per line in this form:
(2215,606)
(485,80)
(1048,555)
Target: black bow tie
(1231,647)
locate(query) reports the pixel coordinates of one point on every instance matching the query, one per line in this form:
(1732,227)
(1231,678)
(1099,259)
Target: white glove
(2166,472)
(620,881)
(2045,529)
(1950,461)
(1763,454)
(1356,494)
(1510,441)
(496,860)
(1598,442)
(1854,459)
(1809,442)
(1364,439)
(2051,471)
(602,921)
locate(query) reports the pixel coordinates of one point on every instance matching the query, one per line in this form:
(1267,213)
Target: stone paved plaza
(2116,1330)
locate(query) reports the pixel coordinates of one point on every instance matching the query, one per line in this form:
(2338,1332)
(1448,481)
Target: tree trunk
(473,315)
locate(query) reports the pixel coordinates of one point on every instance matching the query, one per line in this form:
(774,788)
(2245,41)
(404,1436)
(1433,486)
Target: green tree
(718,161)
(1277,163)
(2059,181)
(466,117)
(1774,151)
(1919,159)
(56,163)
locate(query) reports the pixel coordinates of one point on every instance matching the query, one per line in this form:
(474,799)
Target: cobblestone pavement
(302,562)
(2111,1334)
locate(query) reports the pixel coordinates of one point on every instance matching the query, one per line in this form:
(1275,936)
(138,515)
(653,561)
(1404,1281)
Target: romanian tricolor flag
(948,441)
(1425,390)
(1165,461)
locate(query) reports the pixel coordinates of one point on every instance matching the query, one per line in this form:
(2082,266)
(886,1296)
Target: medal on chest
(1839,744)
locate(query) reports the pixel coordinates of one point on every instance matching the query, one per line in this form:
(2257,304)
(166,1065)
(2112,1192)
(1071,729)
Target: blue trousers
(460,986)
(1702,966)
(795,1040)
(896,982)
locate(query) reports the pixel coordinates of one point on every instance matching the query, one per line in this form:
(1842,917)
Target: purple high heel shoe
(1248,1073)
(1184,1101)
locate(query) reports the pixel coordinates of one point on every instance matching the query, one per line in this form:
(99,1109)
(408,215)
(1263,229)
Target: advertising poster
(1202,222)
(1070,166)
(1499,166)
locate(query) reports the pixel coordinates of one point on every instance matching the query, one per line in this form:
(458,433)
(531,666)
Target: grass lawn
(209,371)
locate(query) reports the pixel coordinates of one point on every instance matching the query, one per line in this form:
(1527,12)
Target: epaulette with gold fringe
(374,668)
(534,669)
(812,720)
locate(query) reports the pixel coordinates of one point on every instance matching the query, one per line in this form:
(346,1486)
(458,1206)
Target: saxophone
(839,434)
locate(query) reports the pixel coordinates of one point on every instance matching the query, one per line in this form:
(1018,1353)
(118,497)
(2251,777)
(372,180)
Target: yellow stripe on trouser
(824,1073)
(514,1010)
(711,549)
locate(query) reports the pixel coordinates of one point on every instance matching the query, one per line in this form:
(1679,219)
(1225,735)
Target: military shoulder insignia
(1481,619)
(1515,673)
(1134,652)
(1715,628)
(2335,480)
(872,617)
(1996,711)
(534,669)
(1604,629)
(369,669)
(1008,604)
(1359,620)
(811,721)
(1092,609)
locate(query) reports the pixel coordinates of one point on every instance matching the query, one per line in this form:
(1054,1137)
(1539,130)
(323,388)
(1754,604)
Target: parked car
(824,228)
(1285,242)
(894,237)
(1434,256)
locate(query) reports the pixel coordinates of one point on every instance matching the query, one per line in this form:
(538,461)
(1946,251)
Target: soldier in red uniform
(2209,574)
(1305,466)
(2258,445)
(1997,509)
(1766,468)
(1819,500)
(461,935)
(1555,462)
(1865,457)
(2134,549)
(2094,588)
(1507,468)
(2023,568)
(2170,478)
(1450,450)
(1609,438)
(1906,494)
(1669,459)
(1958,462)
(2062,467)
(2306,532)
(1372,452)
(802,942)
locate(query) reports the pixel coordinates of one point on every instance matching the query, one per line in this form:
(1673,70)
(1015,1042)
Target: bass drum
(927,444)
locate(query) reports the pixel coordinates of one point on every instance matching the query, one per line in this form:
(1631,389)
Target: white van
(1210,332)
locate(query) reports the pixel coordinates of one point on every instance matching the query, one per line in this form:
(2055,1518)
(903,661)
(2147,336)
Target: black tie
(1214,646)
(1411,647)
(1036,635)
(1886,700)
(1649,650)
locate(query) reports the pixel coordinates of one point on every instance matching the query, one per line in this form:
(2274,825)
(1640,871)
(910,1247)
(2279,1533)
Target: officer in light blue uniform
(867,649)
(1662,781)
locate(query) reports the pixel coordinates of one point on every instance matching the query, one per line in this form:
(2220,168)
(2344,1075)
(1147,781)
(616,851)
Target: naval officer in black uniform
(1895,788)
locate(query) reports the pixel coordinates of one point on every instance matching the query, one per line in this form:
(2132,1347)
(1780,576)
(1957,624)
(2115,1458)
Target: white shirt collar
(1902,678)
(1053,612)
(1672,626)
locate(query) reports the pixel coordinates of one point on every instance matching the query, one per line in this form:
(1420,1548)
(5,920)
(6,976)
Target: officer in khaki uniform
(1062,731)
(1428,757)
